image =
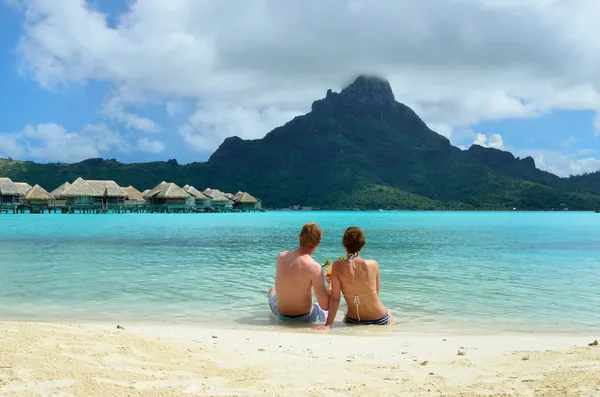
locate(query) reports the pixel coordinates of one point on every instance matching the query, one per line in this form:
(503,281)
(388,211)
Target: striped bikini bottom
(385,320)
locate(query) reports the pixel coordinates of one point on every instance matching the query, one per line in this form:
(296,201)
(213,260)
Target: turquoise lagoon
(440,271)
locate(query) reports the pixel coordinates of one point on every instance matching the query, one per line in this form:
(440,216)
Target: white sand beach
(49,359)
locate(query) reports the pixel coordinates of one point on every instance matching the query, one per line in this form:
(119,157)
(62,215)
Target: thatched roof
(216,196)
(228,195)
(22,188)
(154,191)
(58,191)
(169,191)
(208,191)
(246,198)
(38,193)
(8,187)
(107,188)
(145,192)
(79,188)
(195,192)
(238,194)
(133,193)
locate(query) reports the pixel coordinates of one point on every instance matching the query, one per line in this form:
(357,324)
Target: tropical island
(356,149)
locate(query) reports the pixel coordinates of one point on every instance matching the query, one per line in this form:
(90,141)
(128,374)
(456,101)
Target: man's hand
(321,327)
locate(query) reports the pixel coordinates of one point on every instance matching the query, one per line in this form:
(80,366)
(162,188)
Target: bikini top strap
(351,258)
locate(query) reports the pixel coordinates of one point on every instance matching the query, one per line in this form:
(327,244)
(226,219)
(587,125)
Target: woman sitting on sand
(358,280)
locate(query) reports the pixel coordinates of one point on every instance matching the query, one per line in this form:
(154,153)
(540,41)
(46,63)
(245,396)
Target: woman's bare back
(359,279)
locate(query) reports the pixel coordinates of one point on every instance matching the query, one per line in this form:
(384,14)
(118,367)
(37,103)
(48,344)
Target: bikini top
(356,298)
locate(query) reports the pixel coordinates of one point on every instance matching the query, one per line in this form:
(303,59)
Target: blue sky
(145,80)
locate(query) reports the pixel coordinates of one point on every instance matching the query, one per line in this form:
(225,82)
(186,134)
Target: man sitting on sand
(297,275)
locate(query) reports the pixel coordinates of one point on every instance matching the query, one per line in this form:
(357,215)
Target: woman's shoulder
(371,262)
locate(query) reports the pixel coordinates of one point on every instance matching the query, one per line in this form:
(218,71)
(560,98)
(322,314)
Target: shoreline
(50,358)
(270,325)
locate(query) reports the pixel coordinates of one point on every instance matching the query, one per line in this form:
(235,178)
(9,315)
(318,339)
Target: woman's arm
(334,299)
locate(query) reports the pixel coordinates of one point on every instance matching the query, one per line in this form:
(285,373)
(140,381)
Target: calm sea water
(439,271)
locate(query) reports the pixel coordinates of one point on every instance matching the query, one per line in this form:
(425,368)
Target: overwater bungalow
(218,200)
(147,194)
(38,200)
(246,202)
(134,196)
(228,195)
(9,195)
(202,200)
(168,197)
(56,193)
(80,195)
(110,194)
(135,200)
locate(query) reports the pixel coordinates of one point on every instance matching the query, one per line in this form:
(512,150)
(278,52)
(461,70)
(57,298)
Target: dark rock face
(499,158)
(365,95)
(373,91)
(528,162)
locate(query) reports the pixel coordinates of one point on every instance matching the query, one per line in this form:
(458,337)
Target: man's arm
(334,300)
(318,284)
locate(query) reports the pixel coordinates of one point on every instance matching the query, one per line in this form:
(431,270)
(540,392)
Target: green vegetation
(358,149)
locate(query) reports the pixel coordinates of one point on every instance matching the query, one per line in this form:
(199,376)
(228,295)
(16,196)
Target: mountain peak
(365,92)
(370,89)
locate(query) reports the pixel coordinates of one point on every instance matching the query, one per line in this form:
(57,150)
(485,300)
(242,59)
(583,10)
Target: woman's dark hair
(354,240)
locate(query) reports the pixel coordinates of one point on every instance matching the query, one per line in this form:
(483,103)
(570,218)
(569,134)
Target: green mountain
(358,148)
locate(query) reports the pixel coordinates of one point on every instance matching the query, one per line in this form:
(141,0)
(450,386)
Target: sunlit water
(439,271)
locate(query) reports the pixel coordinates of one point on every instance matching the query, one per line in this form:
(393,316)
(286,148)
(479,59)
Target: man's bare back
(296,275)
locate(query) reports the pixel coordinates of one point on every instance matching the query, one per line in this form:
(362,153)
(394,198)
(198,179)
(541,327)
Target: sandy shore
(46,359)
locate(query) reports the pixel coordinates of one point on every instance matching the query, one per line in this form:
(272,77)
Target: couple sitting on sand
(297,275)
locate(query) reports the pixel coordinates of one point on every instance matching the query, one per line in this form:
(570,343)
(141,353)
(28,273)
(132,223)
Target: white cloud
(480,139)
(150,145)
(115,109)
(55,143)
(589,164)
(495,141)
(453,71)
(9,147)
(211,124)
(563,165)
